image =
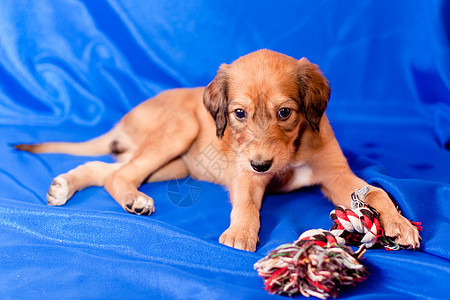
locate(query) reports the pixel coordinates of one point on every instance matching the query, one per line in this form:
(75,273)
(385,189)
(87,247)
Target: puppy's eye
(284,113)
(240,113)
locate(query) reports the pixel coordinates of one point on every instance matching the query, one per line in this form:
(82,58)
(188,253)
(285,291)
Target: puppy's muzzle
(261,166)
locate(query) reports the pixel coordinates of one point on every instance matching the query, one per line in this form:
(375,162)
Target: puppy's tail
(98,146)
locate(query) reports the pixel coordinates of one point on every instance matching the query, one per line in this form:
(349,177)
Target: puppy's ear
(215,99)
(314,92)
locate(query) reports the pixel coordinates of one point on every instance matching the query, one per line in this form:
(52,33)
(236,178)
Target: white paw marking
(141,205)
(58,193)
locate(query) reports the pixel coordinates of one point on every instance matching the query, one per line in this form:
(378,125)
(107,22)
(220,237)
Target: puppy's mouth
(261,166)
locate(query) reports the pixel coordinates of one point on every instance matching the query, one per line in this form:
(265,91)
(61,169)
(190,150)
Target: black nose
(261,166)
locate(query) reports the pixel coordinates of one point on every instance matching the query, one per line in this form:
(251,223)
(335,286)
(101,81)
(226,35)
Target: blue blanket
(70,69)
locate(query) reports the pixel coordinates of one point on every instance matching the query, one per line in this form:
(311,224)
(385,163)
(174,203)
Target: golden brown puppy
(268,127)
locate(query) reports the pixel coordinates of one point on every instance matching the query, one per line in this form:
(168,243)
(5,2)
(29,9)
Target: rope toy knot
(319,263)
(314,265)
(356,227)
(359,225)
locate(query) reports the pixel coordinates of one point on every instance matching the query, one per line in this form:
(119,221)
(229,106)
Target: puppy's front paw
(59,191)
(240,238)
(140,205)
(400,229)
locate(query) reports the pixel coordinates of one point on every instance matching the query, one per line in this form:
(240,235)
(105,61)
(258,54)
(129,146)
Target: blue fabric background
(70,69)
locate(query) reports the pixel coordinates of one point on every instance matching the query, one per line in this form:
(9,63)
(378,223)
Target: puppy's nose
(261,166)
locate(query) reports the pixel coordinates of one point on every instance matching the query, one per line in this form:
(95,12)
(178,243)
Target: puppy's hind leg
(89,174)
(160,149)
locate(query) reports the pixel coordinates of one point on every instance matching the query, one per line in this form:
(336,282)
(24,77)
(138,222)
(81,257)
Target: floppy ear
(314,92)
(215,99)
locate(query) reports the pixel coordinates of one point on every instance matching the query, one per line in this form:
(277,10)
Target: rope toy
(318,263)
(361,224)
(314,265)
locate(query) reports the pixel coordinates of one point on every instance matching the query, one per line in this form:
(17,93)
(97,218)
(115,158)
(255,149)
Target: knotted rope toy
(314,265)
(319,263)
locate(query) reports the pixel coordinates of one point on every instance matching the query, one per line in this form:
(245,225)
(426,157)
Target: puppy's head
(264,101)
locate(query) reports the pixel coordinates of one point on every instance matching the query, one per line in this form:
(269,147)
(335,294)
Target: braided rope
(361,224)
(356,227)
(319,263)
(314,265)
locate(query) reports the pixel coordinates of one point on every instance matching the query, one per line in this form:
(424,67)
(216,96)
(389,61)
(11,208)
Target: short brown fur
(163,138)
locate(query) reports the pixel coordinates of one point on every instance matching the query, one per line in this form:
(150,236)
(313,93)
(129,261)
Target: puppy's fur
(258,126)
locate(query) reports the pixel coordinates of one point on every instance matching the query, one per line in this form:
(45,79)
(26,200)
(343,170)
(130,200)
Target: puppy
(258,126)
